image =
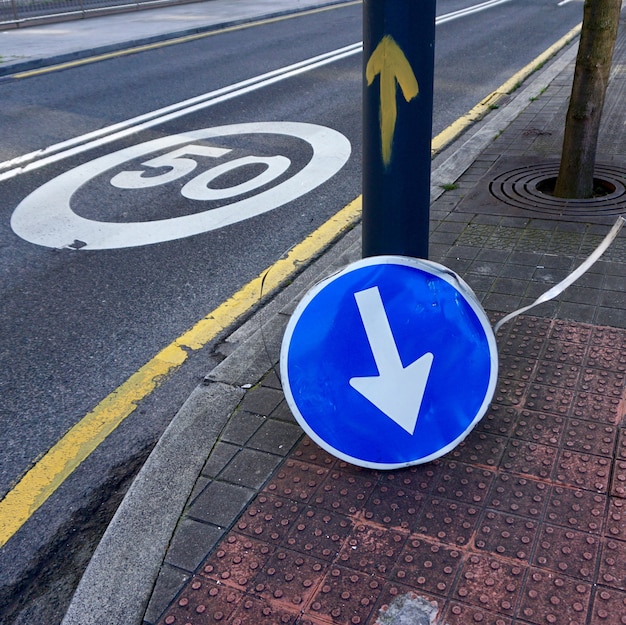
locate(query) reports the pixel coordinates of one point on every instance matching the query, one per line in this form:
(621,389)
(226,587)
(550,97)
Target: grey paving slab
(219,503)
(191,544)
(250,468)
(261,400)
(221,454)
(276,437)
(241,427)
(168,584)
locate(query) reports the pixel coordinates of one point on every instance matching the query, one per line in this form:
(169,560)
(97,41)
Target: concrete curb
(136,540)
(117,584)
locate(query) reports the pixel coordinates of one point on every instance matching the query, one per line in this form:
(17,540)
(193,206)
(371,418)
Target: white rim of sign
(45,217)
(435,269)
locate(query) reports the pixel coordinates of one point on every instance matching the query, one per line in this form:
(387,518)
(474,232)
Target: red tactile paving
(609,607)
(204,601)
(345,491)
(260,612)
(591,438)
(540,428)
(509,392)
(518,495)
(394,507)
(237,561)
(603,382)
(605,357)
(527,339)
(345,596)
(568,552)
(289,578)
(506,535)
(297,480)
(482,449)
(566,351)
(576,509)
(462,614)
(524,523)
(448,521)
(529,459)
(269,518)
(463,482)
(583,471)
(491,583)
(372,550)
(428,566)
(613,564)
(616,519)
(319,532)
(557,374)
(618,486)
(550,399)
(499,420)
(554,599)
(419,478)
(308,451)
(516,368)
(597,408)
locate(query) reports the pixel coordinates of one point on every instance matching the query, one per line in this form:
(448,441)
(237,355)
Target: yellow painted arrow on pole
(389,61)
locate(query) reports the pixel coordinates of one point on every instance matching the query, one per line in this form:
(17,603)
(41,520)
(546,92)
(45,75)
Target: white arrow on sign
(396,390)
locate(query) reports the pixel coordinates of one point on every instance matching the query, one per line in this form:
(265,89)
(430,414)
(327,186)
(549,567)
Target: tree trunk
(591,77)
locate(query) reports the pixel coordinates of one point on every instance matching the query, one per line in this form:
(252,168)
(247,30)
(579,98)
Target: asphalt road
(82,312)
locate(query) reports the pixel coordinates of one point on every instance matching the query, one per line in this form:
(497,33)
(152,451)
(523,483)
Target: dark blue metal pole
(398,52)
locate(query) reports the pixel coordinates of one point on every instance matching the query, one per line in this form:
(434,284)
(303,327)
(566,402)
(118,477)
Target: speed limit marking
(46,217)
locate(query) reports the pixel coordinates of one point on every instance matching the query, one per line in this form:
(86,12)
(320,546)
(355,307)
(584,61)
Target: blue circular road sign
(390,362)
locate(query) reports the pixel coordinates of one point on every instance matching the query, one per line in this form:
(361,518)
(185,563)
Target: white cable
(572,277)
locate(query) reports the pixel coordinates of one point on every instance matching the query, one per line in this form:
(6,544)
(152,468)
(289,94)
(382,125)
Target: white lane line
(77,145)
(448,17)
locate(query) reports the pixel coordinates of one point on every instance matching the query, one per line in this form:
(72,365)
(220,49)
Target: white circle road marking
(46,218)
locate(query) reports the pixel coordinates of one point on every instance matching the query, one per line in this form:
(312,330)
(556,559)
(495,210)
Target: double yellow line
(41,481)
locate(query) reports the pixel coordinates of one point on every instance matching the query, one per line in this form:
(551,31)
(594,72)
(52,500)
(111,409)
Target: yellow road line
(177,40)
(40,482)
(462,123)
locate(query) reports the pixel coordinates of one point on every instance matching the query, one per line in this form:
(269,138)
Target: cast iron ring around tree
(528,188)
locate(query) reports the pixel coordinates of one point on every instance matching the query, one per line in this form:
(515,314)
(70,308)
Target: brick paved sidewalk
(524,522)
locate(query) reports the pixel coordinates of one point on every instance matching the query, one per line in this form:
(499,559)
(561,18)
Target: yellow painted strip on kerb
(223,316)
(40,482)
(59,462)
(456,128)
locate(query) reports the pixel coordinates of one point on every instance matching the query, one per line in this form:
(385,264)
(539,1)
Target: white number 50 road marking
(46,218)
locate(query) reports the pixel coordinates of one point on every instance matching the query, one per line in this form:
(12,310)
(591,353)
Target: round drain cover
(520,188)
